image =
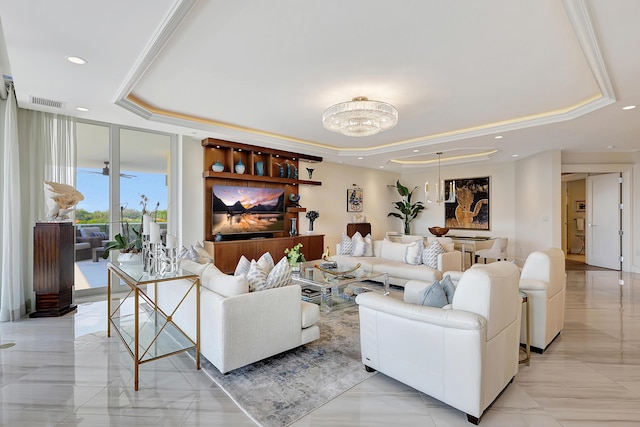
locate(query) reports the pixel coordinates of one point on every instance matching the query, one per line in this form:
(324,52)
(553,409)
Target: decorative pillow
(183,253)
(430,254)
(368,241)
(346,245)
(433,295)
(100,234)
(362,246)
(224,284)
(243,266)
(393,251)
(413,253)
(256,276)
(279,276)
(198,254)
(266,262)
(449,287)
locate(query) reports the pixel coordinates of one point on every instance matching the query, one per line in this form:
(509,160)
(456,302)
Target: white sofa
(399,271)
(464,354)
(543,279)
(238,327)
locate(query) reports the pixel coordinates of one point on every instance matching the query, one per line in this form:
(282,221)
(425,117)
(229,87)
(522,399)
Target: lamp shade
(360,117)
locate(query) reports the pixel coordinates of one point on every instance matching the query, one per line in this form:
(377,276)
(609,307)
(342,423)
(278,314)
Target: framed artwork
(467,203)
(581,206)
(354,200)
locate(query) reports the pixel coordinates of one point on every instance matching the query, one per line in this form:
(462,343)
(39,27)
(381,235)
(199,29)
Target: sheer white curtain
(37,147)
(12,289)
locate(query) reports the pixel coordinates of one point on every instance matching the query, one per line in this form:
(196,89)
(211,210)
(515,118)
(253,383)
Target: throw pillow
(393,251)
(413,253)
(362,246)
(100,234)
(449,287)
(430,254)
(433,295)
(266,262)
(243,266)
(256,276)
(279,276)
(346,245)
(199,255)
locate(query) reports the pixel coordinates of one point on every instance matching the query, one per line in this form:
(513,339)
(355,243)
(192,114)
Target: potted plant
(408,211)
(295,257)
(128,242)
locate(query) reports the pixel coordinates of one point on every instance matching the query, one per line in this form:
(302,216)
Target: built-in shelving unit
(264,167)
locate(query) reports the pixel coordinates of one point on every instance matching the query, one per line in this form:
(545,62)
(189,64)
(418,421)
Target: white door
(603,221)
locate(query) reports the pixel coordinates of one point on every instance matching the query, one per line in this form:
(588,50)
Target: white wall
(330,199)
(501,203)
(191,196)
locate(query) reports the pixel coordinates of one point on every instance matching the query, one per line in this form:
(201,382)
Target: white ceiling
(544,74)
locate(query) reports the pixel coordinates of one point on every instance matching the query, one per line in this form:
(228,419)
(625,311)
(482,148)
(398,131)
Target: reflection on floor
(66,372)
(89,274)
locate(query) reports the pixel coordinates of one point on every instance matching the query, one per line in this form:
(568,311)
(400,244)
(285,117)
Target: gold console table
(149,332)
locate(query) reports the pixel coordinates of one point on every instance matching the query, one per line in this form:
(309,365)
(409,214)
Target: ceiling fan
(105,172)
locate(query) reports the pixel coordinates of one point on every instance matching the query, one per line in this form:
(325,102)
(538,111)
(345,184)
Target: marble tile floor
(66,372)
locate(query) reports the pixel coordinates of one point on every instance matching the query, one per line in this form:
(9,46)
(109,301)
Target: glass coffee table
(332,291)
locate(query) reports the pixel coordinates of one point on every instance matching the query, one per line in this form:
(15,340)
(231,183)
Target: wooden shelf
(296,209)
(248,177)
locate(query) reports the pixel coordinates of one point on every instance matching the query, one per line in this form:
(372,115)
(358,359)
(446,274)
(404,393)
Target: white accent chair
(464,354)
(497,251)
(543,279)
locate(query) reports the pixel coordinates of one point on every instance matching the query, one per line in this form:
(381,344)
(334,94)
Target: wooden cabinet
(226,254)
(53,268)
(363,227)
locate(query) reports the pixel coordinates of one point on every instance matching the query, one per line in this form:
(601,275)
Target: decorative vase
(293,231)
(310,225)
(295,172)
(217,166)
(260,168)
(288,170)
(281,166)
(239,167)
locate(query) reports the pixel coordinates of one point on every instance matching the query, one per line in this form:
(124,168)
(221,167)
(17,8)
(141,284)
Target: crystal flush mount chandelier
(360,117)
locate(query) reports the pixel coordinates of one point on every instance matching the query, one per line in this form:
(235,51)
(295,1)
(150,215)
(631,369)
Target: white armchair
(497,251)
(464,355)
(543,279)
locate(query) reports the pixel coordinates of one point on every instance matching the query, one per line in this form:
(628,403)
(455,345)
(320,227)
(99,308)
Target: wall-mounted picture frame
(581,206)
(469,206)
(355,202)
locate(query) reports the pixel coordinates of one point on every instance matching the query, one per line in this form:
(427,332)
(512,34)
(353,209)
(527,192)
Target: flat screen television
(247,210)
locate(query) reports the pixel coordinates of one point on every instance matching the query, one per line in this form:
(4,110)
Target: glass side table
(149,332)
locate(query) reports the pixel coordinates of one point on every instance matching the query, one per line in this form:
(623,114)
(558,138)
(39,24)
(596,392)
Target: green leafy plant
(408,211)
(128,241)
(294,255)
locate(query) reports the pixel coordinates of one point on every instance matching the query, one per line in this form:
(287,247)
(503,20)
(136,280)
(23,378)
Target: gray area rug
(281,389)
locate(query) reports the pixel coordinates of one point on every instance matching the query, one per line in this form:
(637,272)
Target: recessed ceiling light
(629,107)
(498,137)
(514,155)
(611,147)
(360,158)
(82,109)
(76,60)
(381,167)
(416,151)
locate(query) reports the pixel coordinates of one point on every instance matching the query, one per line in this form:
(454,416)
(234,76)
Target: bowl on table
(438,231)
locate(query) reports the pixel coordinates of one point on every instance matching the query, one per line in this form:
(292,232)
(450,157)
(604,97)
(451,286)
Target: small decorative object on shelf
(260,168)
(281,167)
(295,172)
(295,200)
(218,237)
(310,172)
(240,167)
(293,231)
(312,216)
(288,170)
(217,166)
